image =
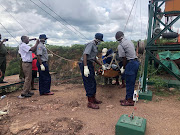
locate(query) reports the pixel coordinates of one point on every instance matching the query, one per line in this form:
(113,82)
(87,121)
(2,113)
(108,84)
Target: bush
(13,67)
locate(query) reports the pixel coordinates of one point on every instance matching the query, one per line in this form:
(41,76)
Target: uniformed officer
(3,52)
(43,69)
(126,51)
(26,54)
(87,70)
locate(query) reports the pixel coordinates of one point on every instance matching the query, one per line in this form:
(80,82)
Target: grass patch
(163,93)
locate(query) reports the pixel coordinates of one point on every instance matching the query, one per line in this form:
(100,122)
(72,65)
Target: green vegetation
(13,67)
(11,89)
(158,82)
(164,41)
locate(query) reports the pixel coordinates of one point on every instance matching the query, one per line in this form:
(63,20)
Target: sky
(75,21)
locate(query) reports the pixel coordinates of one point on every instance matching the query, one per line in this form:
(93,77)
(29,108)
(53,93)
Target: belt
(26,62)
(88,62)
(132,60)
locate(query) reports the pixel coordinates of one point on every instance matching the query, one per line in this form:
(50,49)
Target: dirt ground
(65,113)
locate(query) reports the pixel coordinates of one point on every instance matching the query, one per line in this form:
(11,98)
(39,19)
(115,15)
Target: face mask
(45,42)
(99,43)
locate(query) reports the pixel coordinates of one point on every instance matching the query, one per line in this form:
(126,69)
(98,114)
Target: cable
(61,56)
(129,16)
(134,19)
(15,19)
(28,33)
(9,33)
(141,19)
(63,19)
(55,18)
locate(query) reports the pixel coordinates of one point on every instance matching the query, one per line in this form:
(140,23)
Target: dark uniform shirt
(3,50)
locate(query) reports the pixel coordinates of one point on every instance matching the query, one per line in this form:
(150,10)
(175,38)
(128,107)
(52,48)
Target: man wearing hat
(44,76)
(87,70)
(126,51)
(26,54)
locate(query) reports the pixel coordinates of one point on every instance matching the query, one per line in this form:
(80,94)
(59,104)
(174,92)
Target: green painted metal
(166,28)
(147,95)
(155,14)
(162,23)
(126,126)
(161,4)
(150,42)
(151,8)
(166,68)
(174,47)
(172,13)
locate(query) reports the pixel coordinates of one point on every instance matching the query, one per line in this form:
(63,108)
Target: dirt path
(65,113)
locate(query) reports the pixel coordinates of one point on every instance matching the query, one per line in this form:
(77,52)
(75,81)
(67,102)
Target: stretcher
(110,72)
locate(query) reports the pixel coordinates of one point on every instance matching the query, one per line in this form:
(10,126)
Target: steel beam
(166,68)
(151,9)
(168,26)
(163,47)
(163,24)
(161,4)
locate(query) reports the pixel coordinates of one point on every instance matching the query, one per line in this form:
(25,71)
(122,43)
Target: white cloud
(86,16)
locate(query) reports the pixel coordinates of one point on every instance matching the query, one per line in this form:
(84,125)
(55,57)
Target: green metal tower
(151,47)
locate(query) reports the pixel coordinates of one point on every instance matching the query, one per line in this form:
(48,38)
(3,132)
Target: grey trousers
(27,69)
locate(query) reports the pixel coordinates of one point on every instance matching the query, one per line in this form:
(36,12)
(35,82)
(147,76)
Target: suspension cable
(56,19)
(63,19)
(14,18)
(134,19)
(129,16)
(61,56)
(9,33)
(141,19)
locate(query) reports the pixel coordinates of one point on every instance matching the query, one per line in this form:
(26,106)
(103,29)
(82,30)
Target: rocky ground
(65,113)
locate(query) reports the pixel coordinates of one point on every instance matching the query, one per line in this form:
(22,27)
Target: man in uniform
(126,51)
(3,52)
(43,69)
(87,70)
(26,54)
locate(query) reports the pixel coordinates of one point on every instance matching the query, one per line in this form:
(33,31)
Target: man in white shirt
(26,54)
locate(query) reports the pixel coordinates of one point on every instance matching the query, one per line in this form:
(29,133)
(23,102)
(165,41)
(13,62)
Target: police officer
(126,51)
(43,69)
(3,52)
(87,70)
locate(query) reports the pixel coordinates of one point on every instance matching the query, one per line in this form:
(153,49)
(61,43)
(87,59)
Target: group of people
(126,51)
(26,55)
(129,68)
